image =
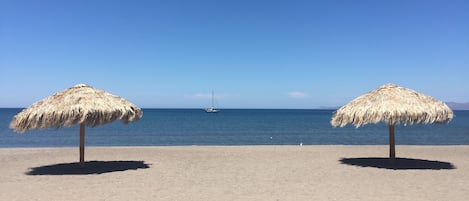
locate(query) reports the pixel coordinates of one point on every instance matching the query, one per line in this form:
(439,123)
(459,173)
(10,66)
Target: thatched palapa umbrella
(392,104)
(80,104)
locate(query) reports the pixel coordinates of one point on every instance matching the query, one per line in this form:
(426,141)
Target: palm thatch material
(80,104)
(392,104)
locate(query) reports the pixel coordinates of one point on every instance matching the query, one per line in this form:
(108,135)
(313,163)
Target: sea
(233,127)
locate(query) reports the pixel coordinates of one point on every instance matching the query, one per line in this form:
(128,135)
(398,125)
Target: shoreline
(260,145)
(309,172)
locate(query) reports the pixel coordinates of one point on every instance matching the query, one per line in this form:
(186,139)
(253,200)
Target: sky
(251,53)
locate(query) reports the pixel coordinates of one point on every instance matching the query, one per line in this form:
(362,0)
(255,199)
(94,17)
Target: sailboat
(212,109)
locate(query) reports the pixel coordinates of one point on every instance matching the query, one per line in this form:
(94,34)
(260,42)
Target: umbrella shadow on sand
(91,167)
(398,163)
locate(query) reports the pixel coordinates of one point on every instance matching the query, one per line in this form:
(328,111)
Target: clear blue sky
(253,54)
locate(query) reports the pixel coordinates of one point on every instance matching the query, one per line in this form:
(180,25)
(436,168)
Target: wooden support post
(82,144)
(392,143)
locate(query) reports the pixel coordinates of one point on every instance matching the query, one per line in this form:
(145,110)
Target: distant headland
(458,106)
(452,105)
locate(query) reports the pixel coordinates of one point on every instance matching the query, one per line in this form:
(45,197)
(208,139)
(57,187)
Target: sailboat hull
(211,110)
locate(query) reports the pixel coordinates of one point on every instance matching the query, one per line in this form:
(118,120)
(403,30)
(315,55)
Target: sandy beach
(236,173)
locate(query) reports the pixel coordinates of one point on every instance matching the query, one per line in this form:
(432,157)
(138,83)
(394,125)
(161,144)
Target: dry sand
(236,173)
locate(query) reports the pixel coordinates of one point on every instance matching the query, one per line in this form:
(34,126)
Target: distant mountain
(458,106)
(452,105)
(328,107)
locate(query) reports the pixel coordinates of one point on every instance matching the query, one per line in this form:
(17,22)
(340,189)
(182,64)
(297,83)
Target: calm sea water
(236,127)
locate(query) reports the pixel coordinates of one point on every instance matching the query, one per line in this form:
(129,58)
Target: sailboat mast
(213,105)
